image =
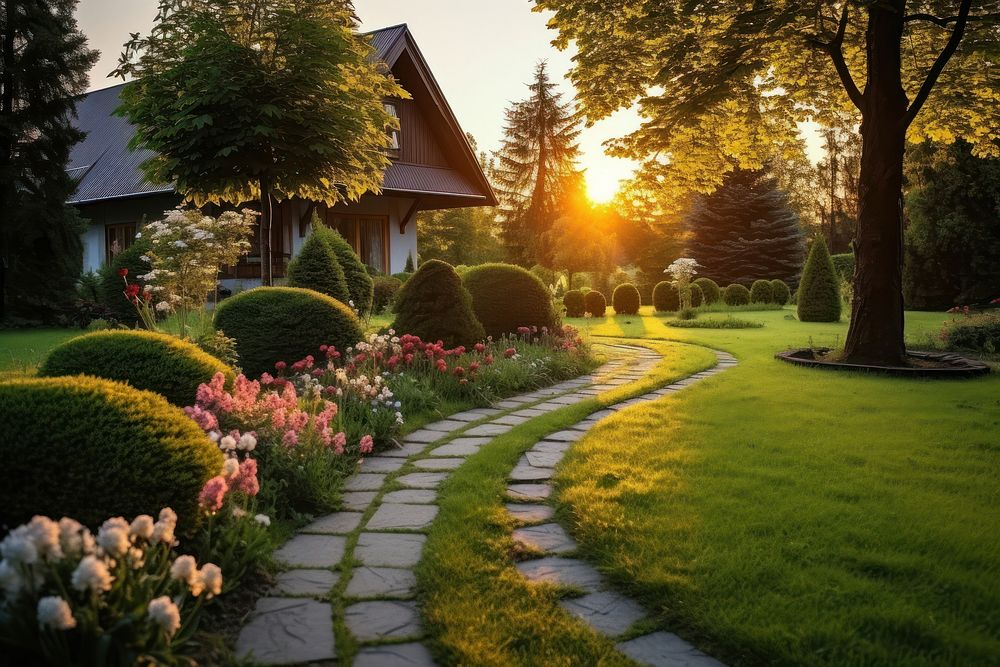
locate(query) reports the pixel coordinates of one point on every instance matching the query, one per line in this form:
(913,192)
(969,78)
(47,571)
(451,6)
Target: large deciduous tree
(535,168)
(44,61)
(728,79)
(259,99)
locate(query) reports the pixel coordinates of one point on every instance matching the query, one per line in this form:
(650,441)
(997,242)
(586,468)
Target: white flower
(142,526)
(18,547)
(113,537)
(44,533)
(247,442)
(230,467)
(91,574)
(74,538)
(163,530)
(180,244)
(163,306)
(211,577)
(184,568)
(165,613)
(54,612)
(137,557)
(239,512)
(10,580)
(263,519)
(227,443)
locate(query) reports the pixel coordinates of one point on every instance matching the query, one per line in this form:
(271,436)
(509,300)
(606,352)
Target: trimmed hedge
(92,449)
(780,292)
(710,289)
(384,292)
(402,277)
(144,359)
(435,305)
(574,303)
(316,267)
(665,297)
(697,296)
(271,324)
(760,292)
(843,263)
(736,295)
(112,288)
(594,303)
(626,299)
(359,283)
(505,297)
(819,290)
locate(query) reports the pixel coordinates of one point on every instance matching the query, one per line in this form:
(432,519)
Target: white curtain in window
(373,243)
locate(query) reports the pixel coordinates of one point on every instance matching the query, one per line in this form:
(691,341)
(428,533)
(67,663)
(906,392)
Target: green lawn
(21,350)
(780,515)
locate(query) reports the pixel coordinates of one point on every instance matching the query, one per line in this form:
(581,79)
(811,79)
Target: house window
(369,236)
(395,135)
(117,238)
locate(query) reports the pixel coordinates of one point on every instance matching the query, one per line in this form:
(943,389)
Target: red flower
(459,371)
(132,291)
(510,352)
(280,365)
(123,272)
(480,347)
(996,301)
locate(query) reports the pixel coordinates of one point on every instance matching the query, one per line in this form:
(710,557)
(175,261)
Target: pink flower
(479,347)
(524,330)
(280,365)
(246,479)
(366,445)
(290,439)
(339,442)
(509,352)
(213,493)
(459,371)
(205,419)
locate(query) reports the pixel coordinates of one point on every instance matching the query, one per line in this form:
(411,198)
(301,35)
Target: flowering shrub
(682,270)
(118,597)
(972,331)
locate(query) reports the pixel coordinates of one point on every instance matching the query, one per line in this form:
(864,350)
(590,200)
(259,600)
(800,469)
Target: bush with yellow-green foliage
(505,297)
(271,324)
(144,359)
(92,448)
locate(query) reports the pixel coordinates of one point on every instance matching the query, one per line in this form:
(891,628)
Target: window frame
(338,219)
(112,233)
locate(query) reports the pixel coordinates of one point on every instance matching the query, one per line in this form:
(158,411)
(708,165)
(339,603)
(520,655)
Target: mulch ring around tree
(921,364)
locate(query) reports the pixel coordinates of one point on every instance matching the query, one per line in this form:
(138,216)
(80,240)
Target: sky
(482,52)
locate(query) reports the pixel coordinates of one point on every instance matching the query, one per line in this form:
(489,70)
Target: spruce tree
(316,267)
(746,231)
(819,291)
(536,168)
(44,62)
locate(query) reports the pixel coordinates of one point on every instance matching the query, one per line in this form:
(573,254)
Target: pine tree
(536,166)
(745,231)
(44,62)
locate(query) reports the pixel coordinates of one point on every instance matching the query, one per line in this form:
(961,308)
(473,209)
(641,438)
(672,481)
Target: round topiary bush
(574,303)
(317,268)
(697,296)
(819,289)
(505,297)
(384,292)
(780,292)
(709,289)
(435,305)
(665,297)
(626,299)
(760,292)
(93,449)
(359,283)
(843,263)
(736,295)
(144,359)
(594,303)
(112,287)
(271,324)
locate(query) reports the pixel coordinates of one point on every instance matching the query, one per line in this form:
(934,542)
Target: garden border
(959,367)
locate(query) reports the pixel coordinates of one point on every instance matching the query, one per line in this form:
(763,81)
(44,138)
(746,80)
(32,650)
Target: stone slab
(422,480)
(529,412)
(389,549)
(456,448)
(529,513)
(552,446)
(398,516)
(512,420)
(405,451)
(364,481)
(564,571)
(315,583)
(541,459)
(424,435)
(605,611)
(529,492)
(285,631)
(439,464)
(564,436)
(338,523)
(489,429)
(383,464)
(374,582)
(446,425)
(546,537)
(394,655)
(529,473)
(420,496)
(379,620)
(357,500)
(312,551)
(664,649)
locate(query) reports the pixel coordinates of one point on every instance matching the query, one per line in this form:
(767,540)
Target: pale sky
(482,53)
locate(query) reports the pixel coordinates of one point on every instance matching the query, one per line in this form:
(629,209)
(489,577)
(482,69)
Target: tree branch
(834,48)
(932,76)
(943,21)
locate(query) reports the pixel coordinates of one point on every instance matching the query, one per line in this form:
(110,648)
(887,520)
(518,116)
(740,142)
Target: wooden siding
(419,145)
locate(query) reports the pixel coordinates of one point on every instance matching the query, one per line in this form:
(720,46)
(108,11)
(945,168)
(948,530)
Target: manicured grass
(780,515)
(478,607)
(21,350)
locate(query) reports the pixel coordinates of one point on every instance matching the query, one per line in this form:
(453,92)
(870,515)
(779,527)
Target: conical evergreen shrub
(359,284)
(316,268)
(434,305)
(819,291)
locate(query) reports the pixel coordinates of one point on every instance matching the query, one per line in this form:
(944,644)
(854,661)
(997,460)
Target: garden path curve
(354,569)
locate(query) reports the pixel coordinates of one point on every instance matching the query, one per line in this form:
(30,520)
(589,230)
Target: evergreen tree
(819,292)
(316,267)
(745,231)
(44,61)
(360,285)
(536,167)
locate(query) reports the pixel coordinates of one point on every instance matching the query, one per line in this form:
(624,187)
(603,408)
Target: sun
(602,185)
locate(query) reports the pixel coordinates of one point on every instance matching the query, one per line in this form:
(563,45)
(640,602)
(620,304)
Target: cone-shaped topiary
(434,305)
(505,297)
(665,297)
(271,324)
(317,268)
(573,301)
(819,290)
(780,293)
(594,303)
(144,359)
(359,283)
(760,292)
(112,290)
(92,449)
(626,299)
(736,295)
(697,296)
(710,290)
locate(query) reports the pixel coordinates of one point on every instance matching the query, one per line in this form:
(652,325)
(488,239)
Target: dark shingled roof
(107,169)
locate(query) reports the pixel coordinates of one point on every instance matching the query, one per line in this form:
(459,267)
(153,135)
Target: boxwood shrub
(594,303)
(505,297)
(780,292)
(665,297)
(384,292)
(435,305)
(736,295)
(317,268)
(271,324)
(573,301)
(760,292)
(697,295)
(92,449)
(144,359)
(710,289)
(626,299)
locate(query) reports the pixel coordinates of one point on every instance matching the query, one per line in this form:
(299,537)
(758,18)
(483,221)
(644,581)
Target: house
(432,167)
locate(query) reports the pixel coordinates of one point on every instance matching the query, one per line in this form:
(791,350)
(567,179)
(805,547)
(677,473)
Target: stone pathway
(364,556)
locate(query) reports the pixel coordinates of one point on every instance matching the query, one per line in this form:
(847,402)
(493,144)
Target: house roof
(107,169)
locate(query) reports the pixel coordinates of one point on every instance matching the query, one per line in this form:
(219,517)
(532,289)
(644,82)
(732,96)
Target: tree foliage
(44,61)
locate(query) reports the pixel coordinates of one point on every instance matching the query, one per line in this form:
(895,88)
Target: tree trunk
(8,192)
(876,331)
(266,278)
